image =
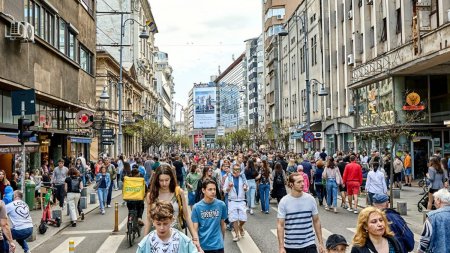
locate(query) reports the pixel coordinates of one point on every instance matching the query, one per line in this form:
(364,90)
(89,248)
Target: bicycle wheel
(130,232)
(421,183)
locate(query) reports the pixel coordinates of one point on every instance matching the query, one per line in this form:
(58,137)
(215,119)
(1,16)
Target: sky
(200,35)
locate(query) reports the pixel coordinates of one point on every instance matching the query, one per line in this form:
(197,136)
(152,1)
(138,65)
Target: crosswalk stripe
(274,208)
(86,232)
(353,230)
(123,223)
(64,247)
(246,243)
(274,231)
(111,244)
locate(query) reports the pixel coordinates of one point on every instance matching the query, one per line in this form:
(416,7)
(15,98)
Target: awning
(80,139)
(10,145)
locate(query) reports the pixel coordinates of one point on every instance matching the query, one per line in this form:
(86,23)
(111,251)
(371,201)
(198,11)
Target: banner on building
(205,107)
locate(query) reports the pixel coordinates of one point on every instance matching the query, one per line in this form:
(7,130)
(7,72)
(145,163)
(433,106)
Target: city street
(95,233)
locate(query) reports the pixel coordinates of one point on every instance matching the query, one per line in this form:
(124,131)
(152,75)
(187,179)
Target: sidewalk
(36,216)
(410,195)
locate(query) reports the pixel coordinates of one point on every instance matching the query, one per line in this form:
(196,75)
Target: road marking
(86,232)
(274,208)
(64,246)
(326,233)
(353,230)
(123,223)
(274,231)
(246,243)
(111,244)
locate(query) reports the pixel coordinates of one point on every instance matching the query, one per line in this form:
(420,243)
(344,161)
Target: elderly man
(397,224)
(435,234)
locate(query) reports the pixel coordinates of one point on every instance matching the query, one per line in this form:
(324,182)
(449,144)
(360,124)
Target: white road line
(111,244)
(64,246)
(123,223)
(274,208)
(274,231)
(353,230)
(246,243)
(86,232)
(326,233)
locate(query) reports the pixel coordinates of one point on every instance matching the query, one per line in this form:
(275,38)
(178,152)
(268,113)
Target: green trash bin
(29,193)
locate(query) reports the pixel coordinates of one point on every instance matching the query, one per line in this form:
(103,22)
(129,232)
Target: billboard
(205,107)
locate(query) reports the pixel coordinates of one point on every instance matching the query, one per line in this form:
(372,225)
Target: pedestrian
(305,177)
(236,186)
(22,224)
(352,179)
(342,188)
(375,183)
(73,186)
(334,179)
(163,187)
(7,241)
(408,169)
(208,216)
(264,187)
(373,233)
(319,182)
(397,224)
(279,179)
(336,244)
(58,178)
(207,173)
(191,183)
(291,167)
(435,234)
(113,174)
(178,164)
(3,183)
(103,182)
(165,238)
(297,215)
(250,175)
(398,169)
(437,178)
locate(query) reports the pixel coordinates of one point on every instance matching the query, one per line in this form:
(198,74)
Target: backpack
(75,184)
(278,179)
(403,234)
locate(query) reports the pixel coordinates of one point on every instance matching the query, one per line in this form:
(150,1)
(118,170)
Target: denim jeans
(21,235)
(264,191)
(332,190)
(250,194)
(102,194)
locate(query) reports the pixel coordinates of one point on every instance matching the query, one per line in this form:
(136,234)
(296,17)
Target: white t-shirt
(19,214)
(170,246)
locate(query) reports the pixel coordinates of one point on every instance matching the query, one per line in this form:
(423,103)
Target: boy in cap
(336,244)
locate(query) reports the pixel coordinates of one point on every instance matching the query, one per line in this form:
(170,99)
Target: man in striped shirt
(297,215)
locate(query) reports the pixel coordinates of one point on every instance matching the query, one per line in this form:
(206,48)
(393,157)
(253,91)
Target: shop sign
(413,102)
(18,149)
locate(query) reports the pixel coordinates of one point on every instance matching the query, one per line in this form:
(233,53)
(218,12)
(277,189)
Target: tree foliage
(150,133)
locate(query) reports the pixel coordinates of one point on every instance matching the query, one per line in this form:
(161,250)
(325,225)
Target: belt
(232,200)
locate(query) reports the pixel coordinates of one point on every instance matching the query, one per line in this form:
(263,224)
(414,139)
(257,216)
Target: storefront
(10,154)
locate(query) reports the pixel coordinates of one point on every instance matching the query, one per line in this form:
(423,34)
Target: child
(165,238)
(336,244)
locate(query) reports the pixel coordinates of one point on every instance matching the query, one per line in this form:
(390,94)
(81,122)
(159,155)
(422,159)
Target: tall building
(55,56)
(251,56)
(164,87)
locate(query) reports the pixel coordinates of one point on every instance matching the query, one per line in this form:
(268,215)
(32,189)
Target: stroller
(47,219)
(423,202)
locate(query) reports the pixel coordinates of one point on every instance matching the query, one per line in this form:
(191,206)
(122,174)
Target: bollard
(71,246)
(84,192)
(83,202)
(116,217)
(402,207)
(92,199)
(396,193)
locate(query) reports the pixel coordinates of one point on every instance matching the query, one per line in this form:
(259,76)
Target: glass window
(44,25)
(439,97)
(28,11)
(62,36)
(72,46)
(37,18)
(7,108)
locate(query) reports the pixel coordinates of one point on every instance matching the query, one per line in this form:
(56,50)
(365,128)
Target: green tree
(149,133)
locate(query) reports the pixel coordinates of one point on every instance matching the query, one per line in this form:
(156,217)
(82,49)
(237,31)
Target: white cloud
(200,35)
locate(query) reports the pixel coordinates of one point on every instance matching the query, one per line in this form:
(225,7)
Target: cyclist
(137,205)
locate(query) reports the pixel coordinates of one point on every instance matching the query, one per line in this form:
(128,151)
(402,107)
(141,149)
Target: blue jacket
(186,245)
(98,177)
(439,220)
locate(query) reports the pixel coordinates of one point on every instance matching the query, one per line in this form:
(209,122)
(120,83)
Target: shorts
(191,198)
(352,187)
(237,211)
(307,249)
(214,251)
(408,171)
(433,190)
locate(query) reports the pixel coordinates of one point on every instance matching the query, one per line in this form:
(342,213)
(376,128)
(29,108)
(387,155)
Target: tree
(258,135)
(221,141)
(241,137)
(149,132)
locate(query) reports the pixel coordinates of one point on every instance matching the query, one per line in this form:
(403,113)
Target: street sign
(107,133)
(107,142)
(26,96)
(308,136)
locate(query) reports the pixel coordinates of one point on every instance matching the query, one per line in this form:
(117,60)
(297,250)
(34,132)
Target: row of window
(58,33)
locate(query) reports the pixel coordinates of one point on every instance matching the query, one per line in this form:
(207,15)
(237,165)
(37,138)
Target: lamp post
(104,97)
(144,35)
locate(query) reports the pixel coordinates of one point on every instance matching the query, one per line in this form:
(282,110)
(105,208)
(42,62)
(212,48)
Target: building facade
(55,56)
(164,88)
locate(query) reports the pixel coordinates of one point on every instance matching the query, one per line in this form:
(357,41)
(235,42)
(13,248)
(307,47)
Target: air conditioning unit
(369,2)
(350,60)
(318,135)
(328,112)
(280,17)
(350,15)
(17,31)
(29,32)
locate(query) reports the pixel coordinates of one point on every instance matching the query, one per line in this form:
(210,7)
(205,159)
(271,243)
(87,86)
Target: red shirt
(353,172)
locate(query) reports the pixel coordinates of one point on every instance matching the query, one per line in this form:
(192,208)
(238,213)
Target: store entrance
(422,149)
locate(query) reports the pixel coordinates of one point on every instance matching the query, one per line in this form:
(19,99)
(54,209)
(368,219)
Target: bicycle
(133,228)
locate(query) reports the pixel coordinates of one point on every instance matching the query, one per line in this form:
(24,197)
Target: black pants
(108,198)
(59,194)
(214,251)
(308,249)
(138,205)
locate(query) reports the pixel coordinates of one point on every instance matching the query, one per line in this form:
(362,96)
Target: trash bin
(30,187)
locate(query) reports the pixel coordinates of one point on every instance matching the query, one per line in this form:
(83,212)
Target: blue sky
(200,35)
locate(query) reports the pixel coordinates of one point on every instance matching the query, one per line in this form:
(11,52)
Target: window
(315,97)
(285,72)
(294,106)
(293,63)
(86,60)
(302,59)
(372,36)
(314,50)
(62,36)
(361,44)
(37,20)
(398,27)
(72,46)
(384,31)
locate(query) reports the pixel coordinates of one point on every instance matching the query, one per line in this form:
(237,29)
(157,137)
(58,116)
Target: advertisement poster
(205,107)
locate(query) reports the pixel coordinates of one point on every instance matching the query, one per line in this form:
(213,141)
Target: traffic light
(24,130)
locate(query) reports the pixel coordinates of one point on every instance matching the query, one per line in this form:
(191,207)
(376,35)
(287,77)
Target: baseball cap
(335,240)
(380,198)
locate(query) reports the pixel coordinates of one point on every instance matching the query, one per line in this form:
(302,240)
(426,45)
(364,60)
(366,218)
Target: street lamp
(143,35)
(104,97)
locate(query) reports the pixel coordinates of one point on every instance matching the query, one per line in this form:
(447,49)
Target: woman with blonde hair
(373,233)
(3,183)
